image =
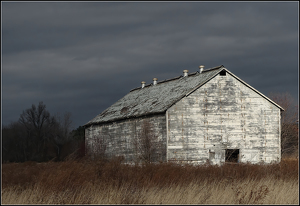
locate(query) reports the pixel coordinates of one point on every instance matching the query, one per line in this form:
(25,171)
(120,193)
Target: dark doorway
(232,155)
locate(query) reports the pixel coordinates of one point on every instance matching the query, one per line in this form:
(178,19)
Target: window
(223,73)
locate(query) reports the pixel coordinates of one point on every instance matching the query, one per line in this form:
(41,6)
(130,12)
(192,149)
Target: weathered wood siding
(223,114)
(118,138)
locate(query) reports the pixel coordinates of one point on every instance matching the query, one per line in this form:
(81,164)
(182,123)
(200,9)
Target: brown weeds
(111,182)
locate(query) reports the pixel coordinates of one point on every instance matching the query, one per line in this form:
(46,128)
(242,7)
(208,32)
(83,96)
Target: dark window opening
(223,73)
(232,155)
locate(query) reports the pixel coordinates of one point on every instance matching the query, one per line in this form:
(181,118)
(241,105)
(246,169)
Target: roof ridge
(178,77)
(210,69)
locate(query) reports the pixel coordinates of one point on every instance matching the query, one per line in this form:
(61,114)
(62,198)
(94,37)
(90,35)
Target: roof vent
(201,68)
(185,73)
(154,81)
(143,84)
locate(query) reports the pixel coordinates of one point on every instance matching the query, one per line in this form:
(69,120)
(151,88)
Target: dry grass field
(102,182)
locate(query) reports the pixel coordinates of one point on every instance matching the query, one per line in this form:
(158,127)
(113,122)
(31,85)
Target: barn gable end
(224,114)
(208,116)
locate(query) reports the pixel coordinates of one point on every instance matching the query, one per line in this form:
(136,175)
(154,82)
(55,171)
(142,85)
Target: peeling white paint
(216,125)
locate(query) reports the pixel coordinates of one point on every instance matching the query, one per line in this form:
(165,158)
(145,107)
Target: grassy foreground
(102,182)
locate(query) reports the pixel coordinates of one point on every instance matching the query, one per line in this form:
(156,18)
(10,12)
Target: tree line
(40,136)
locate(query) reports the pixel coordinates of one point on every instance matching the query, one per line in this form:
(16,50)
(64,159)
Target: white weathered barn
(209,115)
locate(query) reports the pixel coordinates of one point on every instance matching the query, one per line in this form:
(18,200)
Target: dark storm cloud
(82,57)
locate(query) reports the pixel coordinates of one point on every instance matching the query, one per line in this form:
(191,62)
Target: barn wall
(223,114)
(120,138)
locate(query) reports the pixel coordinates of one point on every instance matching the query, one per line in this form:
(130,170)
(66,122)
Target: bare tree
(38,136)
(64,123)
(38,124)
(14,143)
(61,133)
(289,123)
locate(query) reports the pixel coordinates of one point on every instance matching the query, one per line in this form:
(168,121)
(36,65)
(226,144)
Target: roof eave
(255,90)
(123,118)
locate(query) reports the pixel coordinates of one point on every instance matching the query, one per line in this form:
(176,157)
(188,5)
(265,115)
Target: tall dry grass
(102,182)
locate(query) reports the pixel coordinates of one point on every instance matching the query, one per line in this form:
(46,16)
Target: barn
(209,115)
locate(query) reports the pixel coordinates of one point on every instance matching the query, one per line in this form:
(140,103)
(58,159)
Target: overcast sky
(81,57)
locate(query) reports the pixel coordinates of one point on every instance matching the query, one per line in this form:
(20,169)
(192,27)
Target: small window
(223,73)
(232,155)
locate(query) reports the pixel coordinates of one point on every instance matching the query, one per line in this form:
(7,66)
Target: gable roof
(155,99)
